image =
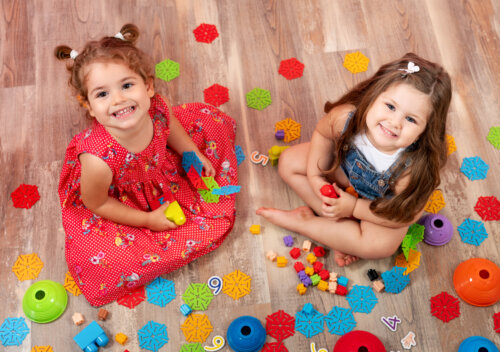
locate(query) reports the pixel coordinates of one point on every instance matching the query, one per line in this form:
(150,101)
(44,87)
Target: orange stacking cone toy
(477,282)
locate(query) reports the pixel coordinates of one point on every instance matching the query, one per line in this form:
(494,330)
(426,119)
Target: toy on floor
(477,343)
(275,153)
(45,301)
(391,322)
(218,343)
(472,232)
(438,229)
(205,33)
(25,196)
(13,331)
(445,307)
(290,127)
(356,62)
(291,68)
(313,348)
(91,338)
(477,282)
(167,70)
(359,340)
(78,318)
(257,158)
(27,266)
(408,341)
(215,284)
(246,334)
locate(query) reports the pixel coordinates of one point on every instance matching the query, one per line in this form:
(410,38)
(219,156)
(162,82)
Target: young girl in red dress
(116,173)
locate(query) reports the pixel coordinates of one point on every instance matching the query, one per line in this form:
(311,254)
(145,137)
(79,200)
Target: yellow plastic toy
(174,213)
(121,338)
(274,153)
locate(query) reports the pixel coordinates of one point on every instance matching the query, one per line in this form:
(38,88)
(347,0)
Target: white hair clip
(412,68)
(73,54)
(119,35)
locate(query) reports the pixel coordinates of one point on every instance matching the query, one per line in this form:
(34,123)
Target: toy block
(103,314)
(191,159)
(185,309)
(280,135)
(324,274)
(306,246)
(78,319)
(91,338)
(333,276)
(271,255)
(295,253)
(318,266)
(378,285)
(323,285)
(288,240)
(332,287)
(341,290)
(298,266)
(342,280)
(255,229)
(306,281)
(319,251)
(311,258)
(301,289)
(275,153)
(309,271)
(372,274)
(121,338)
(315,279)
(302,274)
(175,214)
(281,262)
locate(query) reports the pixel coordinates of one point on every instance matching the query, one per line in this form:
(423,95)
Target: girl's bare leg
(293,170)
(292,167)
(364,240)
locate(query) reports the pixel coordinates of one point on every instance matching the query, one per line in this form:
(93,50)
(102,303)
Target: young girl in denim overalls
(386,139)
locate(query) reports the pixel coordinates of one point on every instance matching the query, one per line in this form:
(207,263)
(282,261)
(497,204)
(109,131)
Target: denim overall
(368,182)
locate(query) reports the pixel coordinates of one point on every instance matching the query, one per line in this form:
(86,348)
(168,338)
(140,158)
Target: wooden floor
(39,116)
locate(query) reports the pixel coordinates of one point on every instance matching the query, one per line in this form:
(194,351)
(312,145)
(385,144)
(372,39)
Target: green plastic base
(45,301)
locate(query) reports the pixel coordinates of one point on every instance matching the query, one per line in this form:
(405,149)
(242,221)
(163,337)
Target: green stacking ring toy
(45,301)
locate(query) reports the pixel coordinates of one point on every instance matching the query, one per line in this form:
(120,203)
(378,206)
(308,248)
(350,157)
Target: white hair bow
(412,68)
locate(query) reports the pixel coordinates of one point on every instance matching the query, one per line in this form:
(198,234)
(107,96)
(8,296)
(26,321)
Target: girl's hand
(207,165)
(338,208)
(157,221)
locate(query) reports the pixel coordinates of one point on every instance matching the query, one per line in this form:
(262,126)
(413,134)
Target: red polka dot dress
(108,259)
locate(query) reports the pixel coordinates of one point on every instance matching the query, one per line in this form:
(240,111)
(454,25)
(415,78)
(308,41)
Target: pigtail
(63,52)
(130,32)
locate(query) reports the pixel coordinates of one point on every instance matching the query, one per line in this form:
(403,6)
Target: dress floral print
(107,259)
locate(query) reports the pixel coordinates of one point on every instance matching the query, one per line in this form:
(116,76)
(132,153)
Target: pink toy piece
(438,229)
(359,340)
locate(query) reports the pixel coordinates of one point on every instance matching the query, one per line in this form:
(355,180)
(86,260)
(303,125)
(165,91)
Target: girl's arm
(95,180)
(359,208)
(180,141)
(322,149)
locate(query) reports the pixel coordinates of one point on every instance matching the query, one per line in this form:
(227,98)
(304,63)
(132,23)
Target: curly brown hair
(108,49)
(430,152)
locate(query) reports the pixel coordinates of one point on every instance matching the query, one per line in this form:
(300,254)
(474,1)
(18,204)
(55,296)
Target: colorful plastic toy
(121,338)
(280,325)
(216,95)
(391,322)
(372,274)
(255,229)
(281,262)
(78,318)
(328,191)
(218,343)
(237,284)
(246,334)
(185,309)
(167,70)
(279,135)
(308,321)
(174,213)
(477,282)
(291,68)
(45,301)
(340,320)
(205,33)
(291,128)
(275,153)
(161,291)
(306,245)
(103,314)
(359,340)
(301,289)
(319,251)
(356,62)
(408,341)
(342,280)
(288,241)
(295,253)
(91,338)
(258,98)
(13,331)
(298,266)
(362,299)
(27,266)
(438,229)
(215,283)
(494,136)
(477,344)
(445,307)
(472,232)
(25,196)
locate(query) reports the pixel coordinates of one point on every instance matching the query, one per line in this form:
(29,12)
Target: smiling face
(397,117)
(118,97)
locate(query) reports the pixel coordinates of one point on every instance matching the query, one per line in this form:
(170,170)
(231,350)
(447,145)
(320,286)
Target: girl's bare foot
(289,219)
(343,259)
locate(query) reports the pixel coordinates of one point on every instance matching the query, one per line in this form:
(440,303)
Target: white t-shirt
(380,161)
